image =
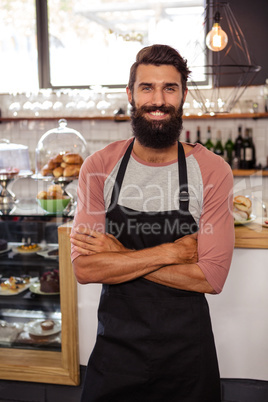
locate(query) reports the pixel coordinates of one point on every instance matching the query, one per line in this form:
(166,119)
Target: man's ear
(129,95)
(185,94)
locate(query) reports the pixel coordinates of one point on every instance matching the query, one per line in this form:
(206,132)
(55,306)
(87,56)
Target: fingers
(86,231)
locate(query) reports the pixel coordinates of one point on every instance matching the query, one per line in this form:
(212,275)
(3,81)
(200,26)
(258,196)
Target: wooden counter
(252,235)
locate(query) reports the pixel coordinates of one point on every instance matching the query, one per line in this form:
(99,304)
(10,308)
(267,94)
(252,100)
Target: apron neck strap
(120,175)
(183,180)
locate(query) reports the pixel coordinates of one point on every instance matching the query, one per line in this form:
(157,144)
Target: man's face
(157,102)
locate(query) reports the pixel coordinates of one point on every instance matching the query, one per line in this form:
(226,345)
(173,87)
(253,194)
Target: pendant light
(216,39)
(229,69)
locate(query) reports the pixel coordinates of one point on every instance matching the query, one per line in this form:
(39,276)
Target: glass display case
(38,301)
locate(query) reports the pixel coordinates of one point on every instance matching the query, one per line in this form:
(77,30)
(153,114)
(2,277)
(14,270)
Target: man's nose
(158,98)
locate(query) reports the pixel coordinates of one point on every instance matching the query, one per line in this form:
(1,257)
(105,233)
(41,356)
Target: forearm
(122,266)
(184,276)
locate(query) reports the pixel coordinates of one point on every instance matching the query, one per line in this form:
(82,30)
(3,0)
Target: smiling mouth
(157,114)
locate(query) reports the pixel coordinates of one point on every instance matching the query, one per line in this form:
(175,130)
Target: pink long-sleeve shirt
(154,187)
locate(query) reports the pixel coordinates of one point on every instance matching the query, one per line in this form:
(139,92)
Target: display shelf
(250,172)
(218,116)
(30,356)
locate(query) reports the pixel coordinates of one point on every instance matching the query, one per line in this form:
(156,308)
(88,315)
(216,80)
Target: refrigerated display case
(36,247)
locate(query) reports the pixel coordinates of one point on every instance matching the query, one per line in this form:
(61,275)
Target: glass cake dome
(58,149)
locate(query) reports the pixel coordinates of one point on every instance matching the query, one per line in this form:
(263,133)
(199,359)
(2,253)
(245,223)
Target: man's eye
(146,88)
(170,89)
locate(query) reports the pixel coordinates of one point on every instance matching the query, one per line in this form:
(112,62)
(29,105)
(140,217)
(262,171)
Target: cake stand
(7,197)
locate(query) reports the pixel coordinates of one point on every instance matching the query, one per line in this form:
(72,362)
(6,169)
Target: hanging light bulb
(216,39)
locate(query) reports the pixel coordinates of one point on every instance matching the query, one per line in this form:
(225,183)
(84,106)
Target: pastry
(58,171)
(47,325)
(46,171)
(63,165)
(71,171)
(28,248)
(73,159)
(50,282)
(55,192)
(42,195)
(57,159)
(3,244)
(242,207)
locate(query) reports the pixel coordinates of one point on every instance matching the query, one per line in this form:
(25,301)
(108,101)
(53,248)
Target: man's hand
(186,249)
(90,242)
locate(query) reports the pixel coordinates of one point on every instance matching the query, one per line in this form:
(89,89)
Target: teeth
(157,113)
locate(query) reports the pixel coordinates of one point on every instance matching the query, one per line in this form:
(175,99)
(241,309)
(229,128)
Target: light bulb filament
(216,39)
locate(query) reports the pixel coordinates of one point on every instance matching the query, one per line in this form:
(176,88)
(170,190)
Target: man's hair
(159,55)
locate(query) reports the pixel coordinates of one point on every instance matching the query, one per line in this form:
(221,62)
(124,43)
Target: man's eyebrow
(172,84)
(145,84)
(165,84)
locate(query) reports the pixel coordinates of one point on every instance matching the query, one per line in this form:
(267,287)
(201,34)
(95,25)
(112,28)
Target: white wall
(239,317)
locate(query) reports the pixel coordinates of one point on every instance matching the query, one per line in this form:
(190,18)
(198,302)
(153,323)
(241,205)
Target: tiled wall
(99,133)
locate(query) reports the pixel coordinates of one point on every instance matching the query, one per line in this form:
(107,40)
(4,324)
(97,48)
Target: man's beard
(157,134)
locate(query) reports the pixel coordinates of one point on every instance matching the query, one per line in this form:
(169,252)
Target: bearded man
(153,226)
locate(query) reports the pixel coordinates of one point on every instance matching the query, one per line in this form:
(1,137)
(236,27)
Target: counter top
(252,235)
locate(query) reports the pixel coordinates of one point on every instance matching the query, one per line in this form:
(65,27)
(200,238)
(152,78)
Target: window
(84,43)
(18,47)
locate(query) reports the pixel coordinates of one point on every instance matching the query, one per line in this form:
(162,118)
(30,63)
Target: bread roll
(45,171)
(42,195)
(57,159)
(54,192)
(58,171)
(51,164)
(73,159)
(71,171)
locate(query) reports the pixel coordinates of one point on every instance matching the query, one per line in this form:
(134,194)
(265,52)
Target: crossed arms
(103,259)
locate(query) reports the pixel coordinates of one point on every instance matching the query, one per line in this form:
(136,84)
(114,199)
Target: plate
(49,253)
(19,251)
(251,219)
(8,292)
(34,328)
(261,221)
(35,288)
(5,251)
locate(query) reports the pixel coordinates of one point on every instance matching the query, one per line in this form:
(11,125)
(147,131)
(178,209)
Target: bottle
(253,164)
(246,161)
(265,95)
(229,150)
(209,144)
(218,149)
(188,136)
(238,146)
(198,136)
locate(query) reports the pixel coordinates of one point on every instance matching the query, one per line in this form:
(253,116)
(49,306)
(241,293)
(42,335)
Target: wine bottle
(246,160)
(253,164)
(188,139)
(198,136)
(238,146)
(218,149)
(229,150)
(209,144)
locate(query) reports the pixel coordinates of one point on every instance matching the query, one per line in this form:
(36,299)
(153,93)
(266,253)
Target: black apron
(154,343)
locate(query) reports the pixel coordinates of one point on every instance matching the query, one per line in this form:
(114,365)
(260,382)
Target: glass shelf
(46,355)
